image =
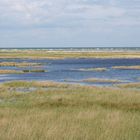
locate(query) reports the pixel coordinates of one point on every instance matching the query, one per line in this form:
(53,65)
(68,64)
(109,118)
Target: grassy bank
(18,64)
(38,54)
(56,111)
(130,85)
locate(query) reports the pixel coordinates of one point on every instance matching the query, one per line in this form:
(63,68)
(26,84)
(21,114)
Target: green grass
(57,111)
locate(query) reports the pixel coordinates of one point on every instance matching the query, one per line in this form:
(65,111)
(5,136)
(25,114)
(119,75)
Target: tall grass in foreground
(67,112)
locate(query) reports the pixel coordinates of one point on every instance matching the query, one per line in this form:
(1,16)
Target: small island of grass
(21,71)
(92,69)
(96,80)
(10,72)
(127,67)
(18,64)
(34,70)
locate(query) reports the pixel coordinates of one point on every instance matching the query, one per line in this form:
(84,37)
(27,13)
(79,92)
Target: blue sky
(69,23)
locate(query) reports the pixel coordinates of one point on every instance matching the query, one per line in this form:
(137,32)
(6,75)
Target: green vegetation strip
(69,112)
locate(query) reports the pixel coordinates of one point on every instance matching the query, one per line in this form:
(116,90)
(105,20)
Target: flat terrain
(58,111)
(46,110)
(40,54)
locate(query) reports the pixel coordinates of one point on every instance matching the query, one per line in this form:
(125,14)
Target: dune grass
(68,112)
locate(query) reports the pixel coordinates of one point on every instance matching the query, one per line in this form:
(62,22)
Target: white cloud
(60,12)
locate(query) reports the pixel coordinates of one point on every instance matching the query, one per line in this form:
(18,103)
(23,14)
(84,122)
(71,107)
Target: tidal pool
(75,70)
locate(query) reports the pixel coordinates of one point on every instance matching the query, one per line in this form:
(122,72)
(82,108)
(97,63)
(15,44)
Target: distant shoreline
(79,49)
(64,54)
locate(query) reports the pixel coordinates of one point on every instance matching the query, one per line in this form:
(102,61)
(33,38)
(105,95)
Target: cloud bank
(43,12)
(65,15)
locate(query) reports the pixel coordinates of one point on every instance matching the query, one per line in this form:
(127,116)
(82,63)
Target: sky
(69,23)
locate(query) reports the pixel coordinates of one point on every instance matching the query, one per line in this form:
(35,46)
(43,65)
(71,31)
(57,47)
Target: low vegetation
(10,72)
(18,64)
(21,71)
(96,80)
(56,111)
(34,70)
(130,85)
(93,69)
(127,67)
(41,54)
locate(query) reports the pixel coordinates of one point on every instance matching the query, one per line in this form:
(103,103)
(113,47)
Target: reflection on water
(68,70)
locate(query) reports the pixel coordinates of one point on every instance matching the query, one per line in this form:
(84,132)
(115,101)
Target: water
(67,70)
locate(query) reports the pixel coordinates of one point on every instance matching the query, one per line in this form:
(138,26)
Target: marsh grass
(17,64)
(33,54)
(69,112)
(127,67)
(96,80)
(34,70)
(10,72)
(130,85)
(21,71)
(92,69)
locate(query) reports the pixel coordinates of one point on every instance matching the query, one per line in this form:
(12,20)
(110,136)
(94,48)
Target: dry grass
(38,54)
(10,72)
(68,112)
(93,69)
(127,67)
(96,80)
(130,85)
(16,64)
(21,71)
